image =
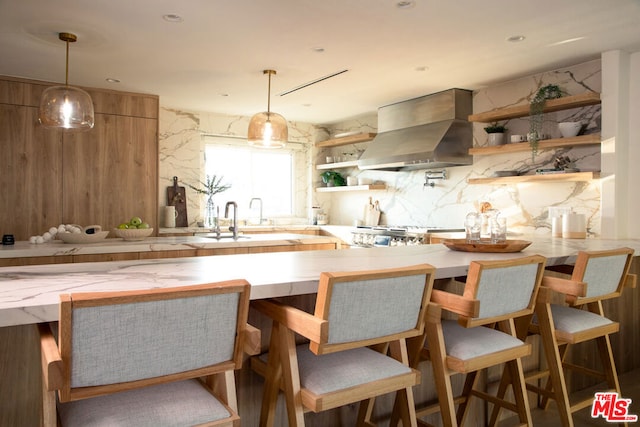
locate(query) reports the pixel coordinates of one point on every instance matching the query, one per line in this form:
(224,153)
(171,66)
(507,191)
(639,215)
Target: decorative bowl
(82,237)
(569,129)
(132,234)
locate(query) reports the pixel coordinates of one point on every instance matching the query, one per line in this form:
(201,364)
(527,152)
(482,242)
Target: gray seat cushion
(467,343)
(573,320)
(336,371)
(182,403)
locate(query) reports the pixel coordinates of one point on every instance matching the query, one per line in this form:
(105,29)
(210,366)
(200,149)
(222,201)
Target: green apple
(135,221)
(144,225)
(123,226)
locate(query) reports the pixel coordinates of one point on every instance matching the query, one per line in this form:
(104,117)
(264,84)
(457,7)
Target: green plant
(332,176)
(536,110)
(495,128)
(213,185)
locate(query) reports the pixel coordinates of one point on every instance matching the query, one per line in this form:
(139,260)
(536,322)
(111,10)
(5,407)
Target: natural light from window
(253,173)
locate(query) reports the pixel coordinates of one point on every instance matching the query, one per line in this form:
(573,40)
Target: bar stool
(596,276)
(156,357)
(496,294)
(357,344)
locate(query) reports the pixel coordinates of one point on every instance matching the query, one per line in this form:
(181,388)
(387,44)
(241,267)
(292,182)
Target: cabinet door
(30,173)
(113,172)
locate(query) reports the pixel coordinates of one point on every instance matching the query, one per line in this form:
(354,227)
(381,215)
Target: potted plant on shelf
(536,110)
(332,179)
(496,133)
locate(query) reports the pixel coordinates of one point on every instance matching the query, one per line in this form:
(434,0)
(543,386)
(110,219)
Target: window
(254,172)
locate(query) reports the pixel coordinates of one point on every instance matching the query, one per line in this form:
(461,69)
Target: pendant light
(66,107)
(268,129)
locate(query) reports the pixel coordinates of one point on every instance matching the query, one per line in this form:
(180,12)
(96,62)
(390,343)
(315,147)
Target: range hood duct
(422,133)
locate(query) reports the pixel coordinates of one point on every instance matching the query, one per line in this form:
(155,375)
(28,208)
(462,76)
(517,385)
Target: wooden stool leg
(272,382)
(290,376)
(556,381)
(440,374)
(469,384)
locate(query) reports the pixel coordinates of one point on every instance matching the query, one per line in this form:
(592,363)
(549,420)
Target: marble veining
(31,294)
(406,201)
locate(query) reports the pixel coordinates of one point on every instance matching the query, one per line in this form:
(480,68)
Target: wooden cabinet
(102,176)
(552,105)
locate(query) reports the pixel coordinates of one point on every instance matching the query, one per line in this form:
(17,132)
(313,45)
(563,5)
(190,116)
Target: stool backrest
(132,339)
(504,288)
(604,272)
(366,308)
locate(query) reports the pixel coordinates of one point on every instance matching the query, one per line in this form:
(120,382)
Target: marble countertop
(116,245)
(30,294)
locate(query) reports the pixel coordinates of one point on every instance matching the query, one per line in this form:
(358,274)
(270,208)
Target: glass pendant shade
(66,107)
(268,130)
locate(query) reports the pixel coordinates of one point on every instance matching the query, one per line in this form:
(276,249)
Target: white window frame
(300,179)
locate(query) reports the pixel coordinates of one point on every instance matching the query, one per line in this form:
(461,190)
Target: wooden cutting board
(177,196)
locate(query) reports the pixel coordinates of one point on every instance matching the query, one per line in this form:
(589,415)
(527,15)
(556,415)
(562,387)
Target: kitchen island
(30,294)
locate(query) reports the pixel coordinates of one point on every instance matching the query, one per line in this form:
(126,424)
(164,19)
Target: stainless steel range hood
(422,133)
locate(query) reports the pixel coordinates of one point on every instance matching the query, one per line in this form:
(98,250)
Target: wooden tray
(485,245)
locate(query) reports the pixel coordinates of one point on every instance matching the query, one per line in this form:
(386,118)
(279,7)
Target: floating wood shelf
(351,188)
(551,105)
(575,141)
(549,177)
(338,165)
(351,139)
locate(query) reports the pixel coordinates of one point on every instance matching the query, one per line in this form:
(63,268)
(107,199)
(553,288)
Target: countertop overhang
(30,294)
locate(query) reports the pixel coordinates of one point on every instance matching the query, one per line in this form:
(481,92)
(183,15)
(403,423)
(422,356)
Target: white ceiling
(213,59)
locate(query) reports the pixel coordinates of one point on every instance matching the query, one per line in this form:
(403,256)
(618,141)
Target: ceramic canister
(170,216)
(574,226)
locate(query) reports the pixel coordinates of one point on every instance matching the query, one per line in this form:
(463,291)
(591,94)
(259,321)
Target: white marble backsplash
(407,201)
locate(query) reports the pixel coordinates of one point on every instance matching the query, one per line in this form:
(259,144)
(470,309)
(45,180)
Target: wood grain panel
(37,260)
(222,251)
(123,256)
(110,173)
(168,254)
(30,173)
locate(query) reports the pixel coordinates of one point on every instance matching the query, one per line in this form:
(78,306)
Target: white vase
(496,138)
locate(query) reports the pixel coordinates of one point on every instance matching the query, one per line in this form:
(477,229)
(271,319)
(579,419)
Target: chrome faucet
(251,205)
(233,228)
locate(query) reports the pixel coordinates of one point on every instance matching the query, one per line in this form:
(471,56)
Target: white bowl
(569,129)
(133,233)
(82,237)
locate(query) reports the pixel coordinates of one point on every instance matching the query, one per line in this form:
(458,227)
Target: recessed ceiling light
(516,39)
(405,4)
(224,95)
(112,80)
(318,49)
(422,68)
(172,17)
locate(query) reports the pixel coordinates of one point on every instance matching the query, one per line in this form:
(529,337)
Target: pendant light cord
(66,73)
